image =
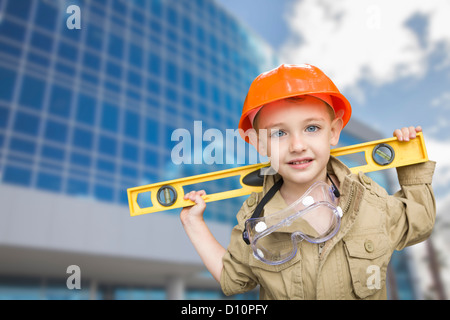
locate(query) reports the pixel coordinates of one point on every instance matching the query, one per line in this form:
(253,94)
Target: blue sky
(390,58)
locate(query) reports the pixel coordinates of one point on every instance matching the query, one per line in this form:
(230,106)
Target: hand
(404,134)
(195,211)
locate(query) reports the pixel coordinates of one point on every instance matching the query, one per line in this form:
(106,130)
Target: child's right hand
(196,210)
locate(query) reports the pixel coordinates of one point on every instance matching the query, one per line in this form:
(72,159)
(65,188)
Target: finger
(418,129)
(398,134)
(412,132)
(186,196)
(405,133)
(199,201)
(190,195)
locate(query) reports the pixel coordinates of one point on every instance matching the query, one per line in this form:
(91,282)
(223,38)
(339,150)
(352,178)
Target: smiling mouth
(300,161)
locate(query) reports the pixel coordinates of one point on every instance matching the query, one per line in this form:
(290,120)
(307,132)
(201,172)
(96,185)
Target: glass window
(135,55)
(108,146)
(86,109)
(171,95)
(133,97)
(110,117)
(188,82)
(26,123)
(67,70)
(119,6)
(153,86)
(67,51)
(77,187)
(130,152)
(17,175)
(89,77)
(12,30)
(134,78)
(112,87)
(172,16)
(201,38)
(216,96)
(106,166)
(114,70)
(138,16)
(48,181)
(41,41)
(83,138)
(132,124)
(60,101)
(46,16)
(8,79)
(213,43)
(103,192)
(24,146)
(115,46)
(10,49)
(37,59)
(156,8)
(56,131)
(129,172)
(94,37)
(32,92)
(20,9)
(154,64)
(91,60)
(4,114)
(151,131)
(202,88)
(151,158)
(52,153)
(186,25)
(80,159)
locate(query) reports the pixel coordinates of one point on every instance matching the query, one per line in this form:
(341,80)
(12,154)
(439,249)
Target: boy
(293,114)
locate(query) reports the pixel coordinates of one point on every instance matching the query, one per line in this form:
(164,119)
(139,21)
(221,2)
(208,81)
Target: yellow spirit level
(379,155)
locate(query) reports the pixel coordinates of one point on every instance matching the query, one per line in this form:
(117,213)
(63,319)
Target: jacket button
(368,245)
(366,179)
(251,201)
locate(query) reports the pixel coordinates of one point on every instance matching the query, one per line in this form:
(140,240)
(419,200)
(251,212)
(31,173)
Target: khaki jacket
(352,264)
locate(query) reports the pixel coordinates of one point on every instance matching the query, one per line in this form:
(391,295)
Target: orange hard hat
(289,81)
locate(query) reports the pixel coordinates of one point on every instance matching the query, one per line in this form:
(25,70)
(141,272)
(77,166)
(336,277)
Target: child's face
(297,138)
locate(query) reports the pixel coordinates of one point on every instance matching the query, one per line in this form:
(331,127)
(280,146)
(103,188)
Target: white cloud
(353,40)
(442,101)
(439,151)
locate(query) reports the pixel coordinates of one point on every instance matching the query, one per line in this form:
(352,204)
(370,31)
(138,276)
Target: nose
(296,144)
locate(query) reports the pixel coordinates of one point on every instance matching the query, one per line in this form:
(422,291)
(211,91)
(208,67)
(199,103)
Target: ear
(259,144)
(336,128)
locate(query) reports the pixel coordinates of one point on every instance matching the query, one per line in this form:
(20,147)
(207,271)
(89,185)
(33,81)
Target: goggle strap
(336,192)
(269,195)
(259,208)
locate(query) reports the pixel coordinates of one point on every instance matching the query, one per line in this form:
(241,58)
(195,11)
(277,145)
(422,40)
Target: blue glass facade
(90,112)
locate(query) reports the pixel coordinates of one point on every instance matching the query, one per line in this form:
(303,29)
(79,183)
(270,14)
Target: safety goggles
(314,217)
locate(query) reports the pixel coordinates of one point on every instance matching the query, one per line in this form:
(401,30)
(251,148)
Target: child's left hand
(404,134)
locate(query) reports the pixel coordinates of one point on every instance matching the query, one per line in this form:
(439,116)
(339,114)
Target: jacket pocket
(368,257)
(279,282)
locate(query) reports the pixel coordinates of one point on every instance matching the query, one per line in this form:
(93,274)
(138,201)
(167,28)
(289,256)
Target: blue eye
(312,128)
(277,133)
